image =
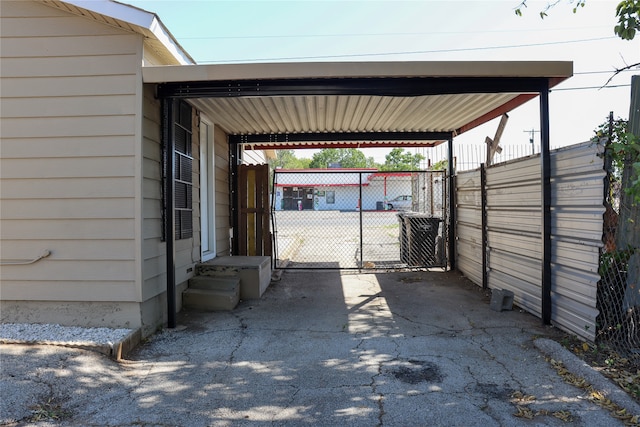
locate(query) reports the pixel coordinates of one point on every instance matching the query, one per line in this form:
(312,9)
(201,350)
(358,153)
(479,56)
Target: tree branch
(618,71)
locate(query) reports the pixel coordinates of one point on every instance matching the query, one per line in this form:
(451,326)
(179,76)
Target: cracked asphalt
(321,349)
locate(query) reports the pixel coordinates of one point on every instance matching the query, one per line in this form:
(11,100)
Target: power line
(604,72)
(410,52)
(417,33)
(589,87)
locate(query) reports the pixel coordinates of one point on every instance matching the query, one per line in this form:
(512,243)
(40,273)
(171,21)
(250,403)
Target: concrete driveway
(332,239)
(320,348)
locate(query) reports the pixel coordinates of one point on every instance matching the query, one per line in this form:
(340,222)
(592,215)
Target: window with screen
(183,178)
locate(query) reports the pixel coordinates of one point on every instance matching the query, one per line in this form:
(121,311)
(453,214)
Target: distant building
(338,188)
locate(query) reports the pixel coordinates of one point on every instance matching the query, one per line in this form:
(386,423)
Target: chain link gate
(359,219)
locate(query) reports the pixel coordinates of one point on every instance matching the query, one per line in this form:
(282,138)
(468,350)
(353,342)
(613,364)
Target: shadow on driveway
(320,348)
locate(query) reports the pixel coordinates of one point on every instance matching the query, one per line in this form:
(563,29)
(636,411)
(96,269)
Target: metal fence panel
(514,233)
(514,224)
(577,189)
(469,225)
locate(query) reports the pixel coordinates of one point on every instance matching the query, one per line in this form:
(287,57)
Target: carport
(364,104)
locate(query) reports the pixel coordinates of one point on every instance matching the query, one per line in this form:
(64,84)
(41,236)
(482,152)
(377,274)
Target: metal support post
(545,161)
(168,145)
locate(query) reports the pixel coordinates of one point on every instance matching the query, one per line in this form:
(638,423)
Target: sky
(218,32)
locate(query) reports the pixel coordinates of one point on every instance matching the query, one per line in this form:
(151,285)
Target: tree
(620,266)
(615,130)
(345,157)
(442,165)
(629,151)
(627,12)
(286,159)
(400,160)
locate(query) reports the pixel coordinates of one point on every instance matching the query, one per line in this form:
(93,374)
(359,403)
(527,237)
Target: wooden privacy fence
(254,231)
(498,229)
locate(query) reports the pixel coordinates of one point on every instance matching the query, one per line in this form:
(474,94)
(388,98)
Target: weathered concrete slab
(319,348)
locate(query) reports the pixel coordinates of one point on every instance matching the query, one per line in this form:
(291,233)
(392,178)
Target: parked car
(400,203)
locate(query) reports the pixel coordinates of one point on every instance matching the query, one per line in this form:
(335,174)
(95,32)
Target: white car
(400,203)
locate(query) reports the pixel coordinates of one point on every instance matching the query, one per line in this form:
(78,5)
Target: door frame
(207,190)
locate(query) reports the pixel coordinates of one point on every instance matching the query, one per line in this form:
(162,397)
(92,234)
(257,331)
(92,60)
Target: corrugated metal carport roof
(349,104)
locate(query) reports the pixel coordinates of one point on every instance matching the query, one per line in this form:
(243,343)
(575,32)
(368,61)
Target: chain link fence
(359,219)
(618,298)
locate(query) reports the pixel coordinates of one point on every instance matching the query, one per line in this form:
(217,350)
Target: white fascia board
(164,36)
(120,11)
(139,18)
(212,72)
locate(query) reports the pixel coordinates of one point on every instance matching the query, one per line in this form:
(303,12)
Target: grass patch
(49,410)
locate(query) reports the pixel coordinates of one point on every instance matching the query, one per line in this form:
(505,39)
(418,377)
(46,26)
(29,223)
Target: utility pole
(531,134)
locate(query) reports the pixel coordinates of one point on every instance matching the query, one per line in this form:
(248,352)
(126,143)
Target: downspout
(452,208)
(545,161)
(168,142)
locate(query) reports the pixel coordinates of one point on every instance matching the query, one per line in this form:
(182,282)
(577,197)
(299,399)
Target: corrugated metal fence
(511,235)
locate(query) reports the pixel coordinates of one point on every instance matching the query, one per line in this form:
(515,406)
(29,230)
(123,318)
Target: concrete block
(501,299)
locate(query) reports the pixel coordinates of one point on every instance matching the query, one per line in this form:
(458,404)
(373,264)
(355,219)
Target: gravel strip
(63,335)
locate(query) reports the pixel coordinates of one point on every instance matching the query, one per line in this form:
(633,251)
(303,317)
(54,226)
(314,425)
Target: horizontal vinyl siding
(154,250)
(52,86)
(68,166)
(222,222)
(111,291)
(79,167)
(81,146)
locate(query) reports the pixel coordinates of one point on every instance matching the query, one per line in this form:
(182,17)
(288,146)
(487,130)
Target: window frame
(183,171)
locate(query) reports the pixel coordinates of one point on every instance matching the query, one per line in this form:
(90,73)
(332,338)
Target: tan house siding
(68,174)
(221,148)
(153,248)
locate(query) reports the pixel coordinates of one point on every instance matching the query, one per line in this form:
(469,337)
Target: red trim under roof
(369,178)
(364,184)
(328,170)
(504,108)
(344,144)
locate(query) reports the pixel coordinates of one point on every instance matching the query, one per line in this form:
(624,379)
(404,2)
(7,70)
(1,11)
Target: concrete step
(211,300)
(214,283)
(254,272)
